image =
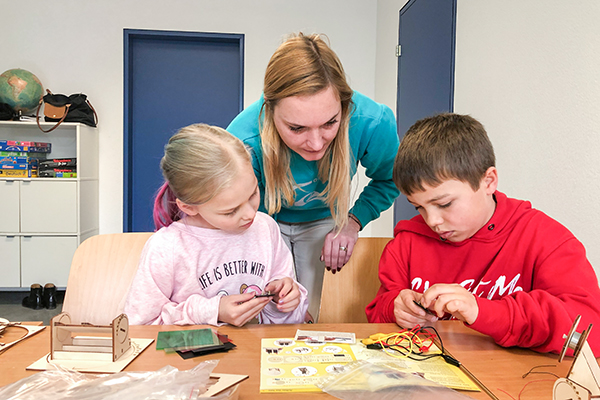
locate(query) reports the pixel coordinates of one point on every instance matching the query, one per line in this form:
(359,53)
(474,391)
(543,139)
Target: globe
(21,90)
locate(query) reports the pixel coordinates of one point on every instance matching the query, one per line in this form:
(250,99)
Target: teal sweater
(373,142)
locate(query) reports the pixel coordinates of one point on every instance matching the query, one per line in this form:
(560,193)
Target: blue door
(172,79)
(427,33)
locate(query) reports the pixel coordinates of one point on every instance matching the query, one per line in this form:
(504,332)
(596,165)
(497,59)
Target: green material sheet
(186,340)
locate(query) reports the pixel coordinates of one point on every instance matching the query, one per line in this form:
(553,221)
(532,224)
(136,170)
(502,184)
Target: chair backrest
(347,293)
(102,270)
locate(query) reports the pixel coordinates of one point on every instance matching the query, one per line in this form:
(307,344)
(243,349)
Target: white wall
(386,82)
(77,46)
(530,72)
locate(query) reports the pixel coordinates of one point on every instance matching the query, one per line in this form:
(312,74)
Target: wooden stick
(470,375)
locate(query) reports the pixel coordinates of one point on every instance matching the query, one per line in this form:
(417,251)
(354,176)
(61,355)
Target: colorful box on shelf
(22,154)
(24,143)
(58,162)
(57,174)
(18,173)
(18,163)
(28,149)
(58,169)
(13,160)
(14,166)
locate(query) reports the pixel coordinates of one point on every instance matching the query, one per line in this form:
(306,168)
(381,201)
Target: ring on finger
(343,248)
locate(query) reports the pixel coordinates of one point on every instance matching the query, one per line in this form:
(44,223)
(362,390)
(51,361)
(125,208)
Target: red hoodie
(530,276)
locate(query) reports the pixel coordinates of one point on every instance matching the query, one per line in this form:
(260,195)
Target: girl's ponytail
(165,208)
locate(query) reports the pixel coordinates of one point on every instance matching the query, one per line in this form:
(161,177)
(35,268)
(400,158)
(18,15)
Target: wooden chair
(101,272)
(347,293)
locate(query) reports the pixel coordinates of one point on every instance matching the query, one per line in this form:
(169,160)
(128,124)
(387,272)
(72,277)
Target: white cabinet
(10,274)
(41,257)
(48,206)
(43,220)
(9,201)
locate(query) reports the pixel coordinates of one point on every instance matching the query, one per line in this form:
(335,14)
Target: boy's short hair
(442,147)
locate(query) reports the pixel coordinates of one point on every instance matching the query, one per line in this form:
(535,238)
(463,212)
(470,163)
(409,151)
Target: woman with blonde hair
(307,133)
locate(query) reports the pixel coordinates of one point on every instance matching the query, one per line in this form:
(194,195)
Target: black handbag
(6,112)
(60,108)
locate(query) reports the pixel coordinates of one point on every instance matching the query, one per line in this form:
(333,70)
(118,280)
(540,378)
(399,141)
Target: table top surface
(499,369)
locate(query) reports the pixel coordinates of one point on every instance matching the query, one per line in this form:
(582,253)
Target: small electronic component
(427,310)
(265,294)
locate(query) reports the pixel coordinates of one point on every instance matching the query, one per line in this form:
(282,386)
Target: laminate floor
(12,310)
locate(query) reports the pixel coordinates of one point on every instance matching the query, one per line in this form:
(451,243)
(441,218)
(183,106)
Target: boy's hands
(451,298)
(287,294)
(238,309)
(440,298)
(407,313)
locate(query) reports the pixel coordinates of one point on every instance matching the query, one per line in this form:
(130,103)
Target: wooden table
(498,368)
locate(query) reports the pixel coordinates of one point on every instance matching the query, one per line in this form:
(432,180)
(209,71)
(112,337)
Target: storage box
(22,154)
(19,163)
(58,162)
(28,149)
(13,160)
(18,173)
(57,174)
(14,166)
(24,143)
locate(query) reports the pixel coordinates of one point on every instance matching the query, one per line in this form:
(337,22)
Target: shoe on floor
(34,300)
(49,296)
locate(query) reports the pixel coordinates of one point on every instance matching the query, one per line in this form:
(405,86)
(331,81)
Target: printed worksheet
(289,365)
(435,369)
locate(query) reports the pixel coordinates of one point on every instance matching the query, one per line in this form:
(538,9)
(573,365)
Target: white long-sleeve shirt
(184,270)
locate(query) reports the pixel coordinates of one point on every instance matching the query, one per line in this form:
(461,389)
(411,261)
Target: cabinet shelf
(45,219)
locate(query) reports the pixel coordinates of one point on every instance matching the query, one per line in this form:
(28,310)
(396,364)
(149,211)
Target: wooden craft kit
(89,342)
(583,380)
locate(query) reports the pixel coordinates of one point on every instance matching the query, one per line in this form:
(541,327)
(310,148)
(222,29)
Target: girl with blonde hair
(308,132)
(214,258)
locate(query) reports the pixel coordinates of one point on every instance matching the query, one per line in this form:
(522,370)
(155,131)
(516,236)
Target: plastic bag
(361,380)
(167,383)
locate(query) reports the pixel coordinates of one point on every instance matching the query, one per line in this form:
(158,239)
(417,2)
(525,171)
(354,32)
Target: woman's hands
(337,248)
(439,299)
(287,294)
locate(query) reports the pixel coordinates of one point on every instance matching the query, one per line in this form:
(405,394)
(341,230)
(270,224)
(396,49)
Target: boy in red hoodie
(503,268)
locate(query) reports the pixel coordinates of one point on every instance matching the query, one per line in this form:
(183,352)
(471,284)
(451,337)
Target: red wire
(413,333)
(539,380)
(527,384)
(508,394)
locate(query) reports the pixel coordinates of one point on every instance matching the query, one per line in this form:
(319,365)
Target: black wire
(420,356)
(531,371)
